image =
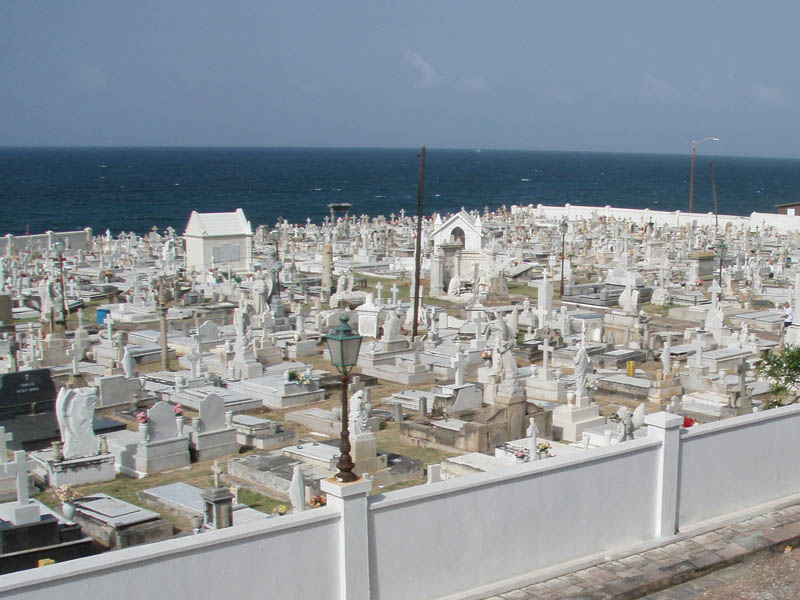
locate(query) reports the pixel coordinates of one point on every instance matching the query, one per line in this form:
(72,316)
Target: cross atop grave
(394,291)
(698,351)
(715,291)
(475,282)
(379,290)
(546,350)
(80,319)
(4,439)
(217,470)
(74,354)
(19,468)
(194,361)
(458,363)
(108,322)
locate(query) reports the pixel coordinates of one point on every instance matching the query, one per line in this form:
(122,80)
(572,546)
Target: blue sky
(599,76)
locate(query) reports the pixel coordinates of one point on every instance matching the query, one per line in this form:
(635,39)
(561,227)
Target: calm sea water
(133,189)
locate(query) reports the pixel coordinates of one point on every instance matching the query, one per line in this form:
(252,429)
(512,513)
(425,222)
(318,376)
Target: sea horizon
(133,188)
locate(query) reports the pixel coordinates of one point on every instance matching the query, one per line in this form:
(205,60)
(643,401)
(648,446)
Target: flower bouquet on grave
(543,449)
(142,418)
(318,501)
(292,375)
(178,410)
(66,494)
(304,379)
(688,422)
(519,454)
(280,510)
(486,355)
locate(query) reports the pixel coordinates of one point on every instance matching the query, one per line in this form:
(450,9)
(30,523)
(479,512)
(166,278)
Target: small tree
(782,370)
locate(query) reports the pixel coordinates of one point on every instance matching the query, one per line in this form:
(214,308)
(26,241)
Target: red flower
(688,421)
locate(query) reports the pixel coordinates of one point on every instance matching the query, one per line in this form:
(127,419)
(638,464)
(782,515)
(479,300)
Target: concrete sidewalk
(637,575)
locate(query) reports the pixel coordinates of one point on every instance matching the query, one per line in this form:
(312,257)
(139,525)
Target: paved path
(704,558)
(765,576)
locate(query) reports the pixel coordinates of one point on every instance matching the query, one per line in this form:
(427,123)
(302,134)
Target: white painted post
(666,427)
(350,499)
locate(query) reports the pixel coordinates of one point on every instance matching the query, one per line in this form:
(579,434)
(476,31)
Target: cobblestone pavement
(711,563)
(766,576)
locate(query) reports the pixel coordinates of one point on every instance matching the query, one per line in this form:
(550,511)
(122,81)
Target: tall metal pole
(714,189)
(563,237)
(418,257)
(345,464)
(691,179)
(63,294)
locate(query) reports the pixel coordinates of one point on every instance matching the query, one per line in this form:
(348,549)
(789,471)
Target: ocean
(134,189)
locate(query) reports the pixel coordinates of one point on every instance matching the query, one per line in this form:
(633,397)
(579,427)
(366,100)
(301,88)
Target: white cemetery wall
(261,559)
(462,533)
(735,464)
(658,217)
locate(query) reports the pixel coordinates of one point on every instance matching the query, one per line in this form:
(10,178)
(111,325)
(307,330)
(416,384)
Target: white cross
(545,348)
(108,322)
(379,289)
(394,291)
(698,354)
(4,437)
(19,468)
(217,470)
(458,364)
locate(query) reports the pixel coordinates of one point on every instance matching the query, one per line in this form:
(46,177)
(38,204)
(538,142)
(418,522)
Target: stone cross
(217,470)
(379,290)
(475,282)
(19,468)
(394,291)
(458,363)
(698,354)
(4,438)
(194,361)
(546,350)
(74,354)
(108,321)
(715,290)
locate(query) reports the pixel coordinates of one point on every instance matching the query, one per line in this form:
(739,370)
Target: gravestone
(26,392)
(213,434)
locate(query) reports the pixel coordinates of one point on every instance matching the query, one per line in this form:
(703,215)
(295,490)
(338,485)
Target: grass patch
(388,440)
(259,501)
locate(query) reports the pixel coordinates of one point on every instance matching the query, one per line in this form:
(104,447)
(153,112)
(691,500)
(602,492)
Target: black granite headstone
(26,392)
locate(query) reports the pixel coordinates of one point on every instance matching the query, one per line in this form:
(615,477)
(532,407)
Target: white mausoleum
(218,240)
(461,228)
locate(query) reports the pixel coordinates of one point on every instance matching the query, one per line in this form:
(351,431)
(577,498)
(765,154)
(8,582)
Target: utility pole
(714,189)
(418,257)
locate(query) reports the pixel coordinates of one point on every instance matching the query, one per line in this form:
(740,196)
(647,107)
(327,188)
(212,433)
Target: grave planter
(68,510)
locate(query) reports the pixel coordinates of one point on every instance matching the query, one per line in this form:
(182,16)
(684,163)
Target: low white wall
(11,244)
(289,557)
(454,535)
(659,217)
(738,463)
(457,535)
